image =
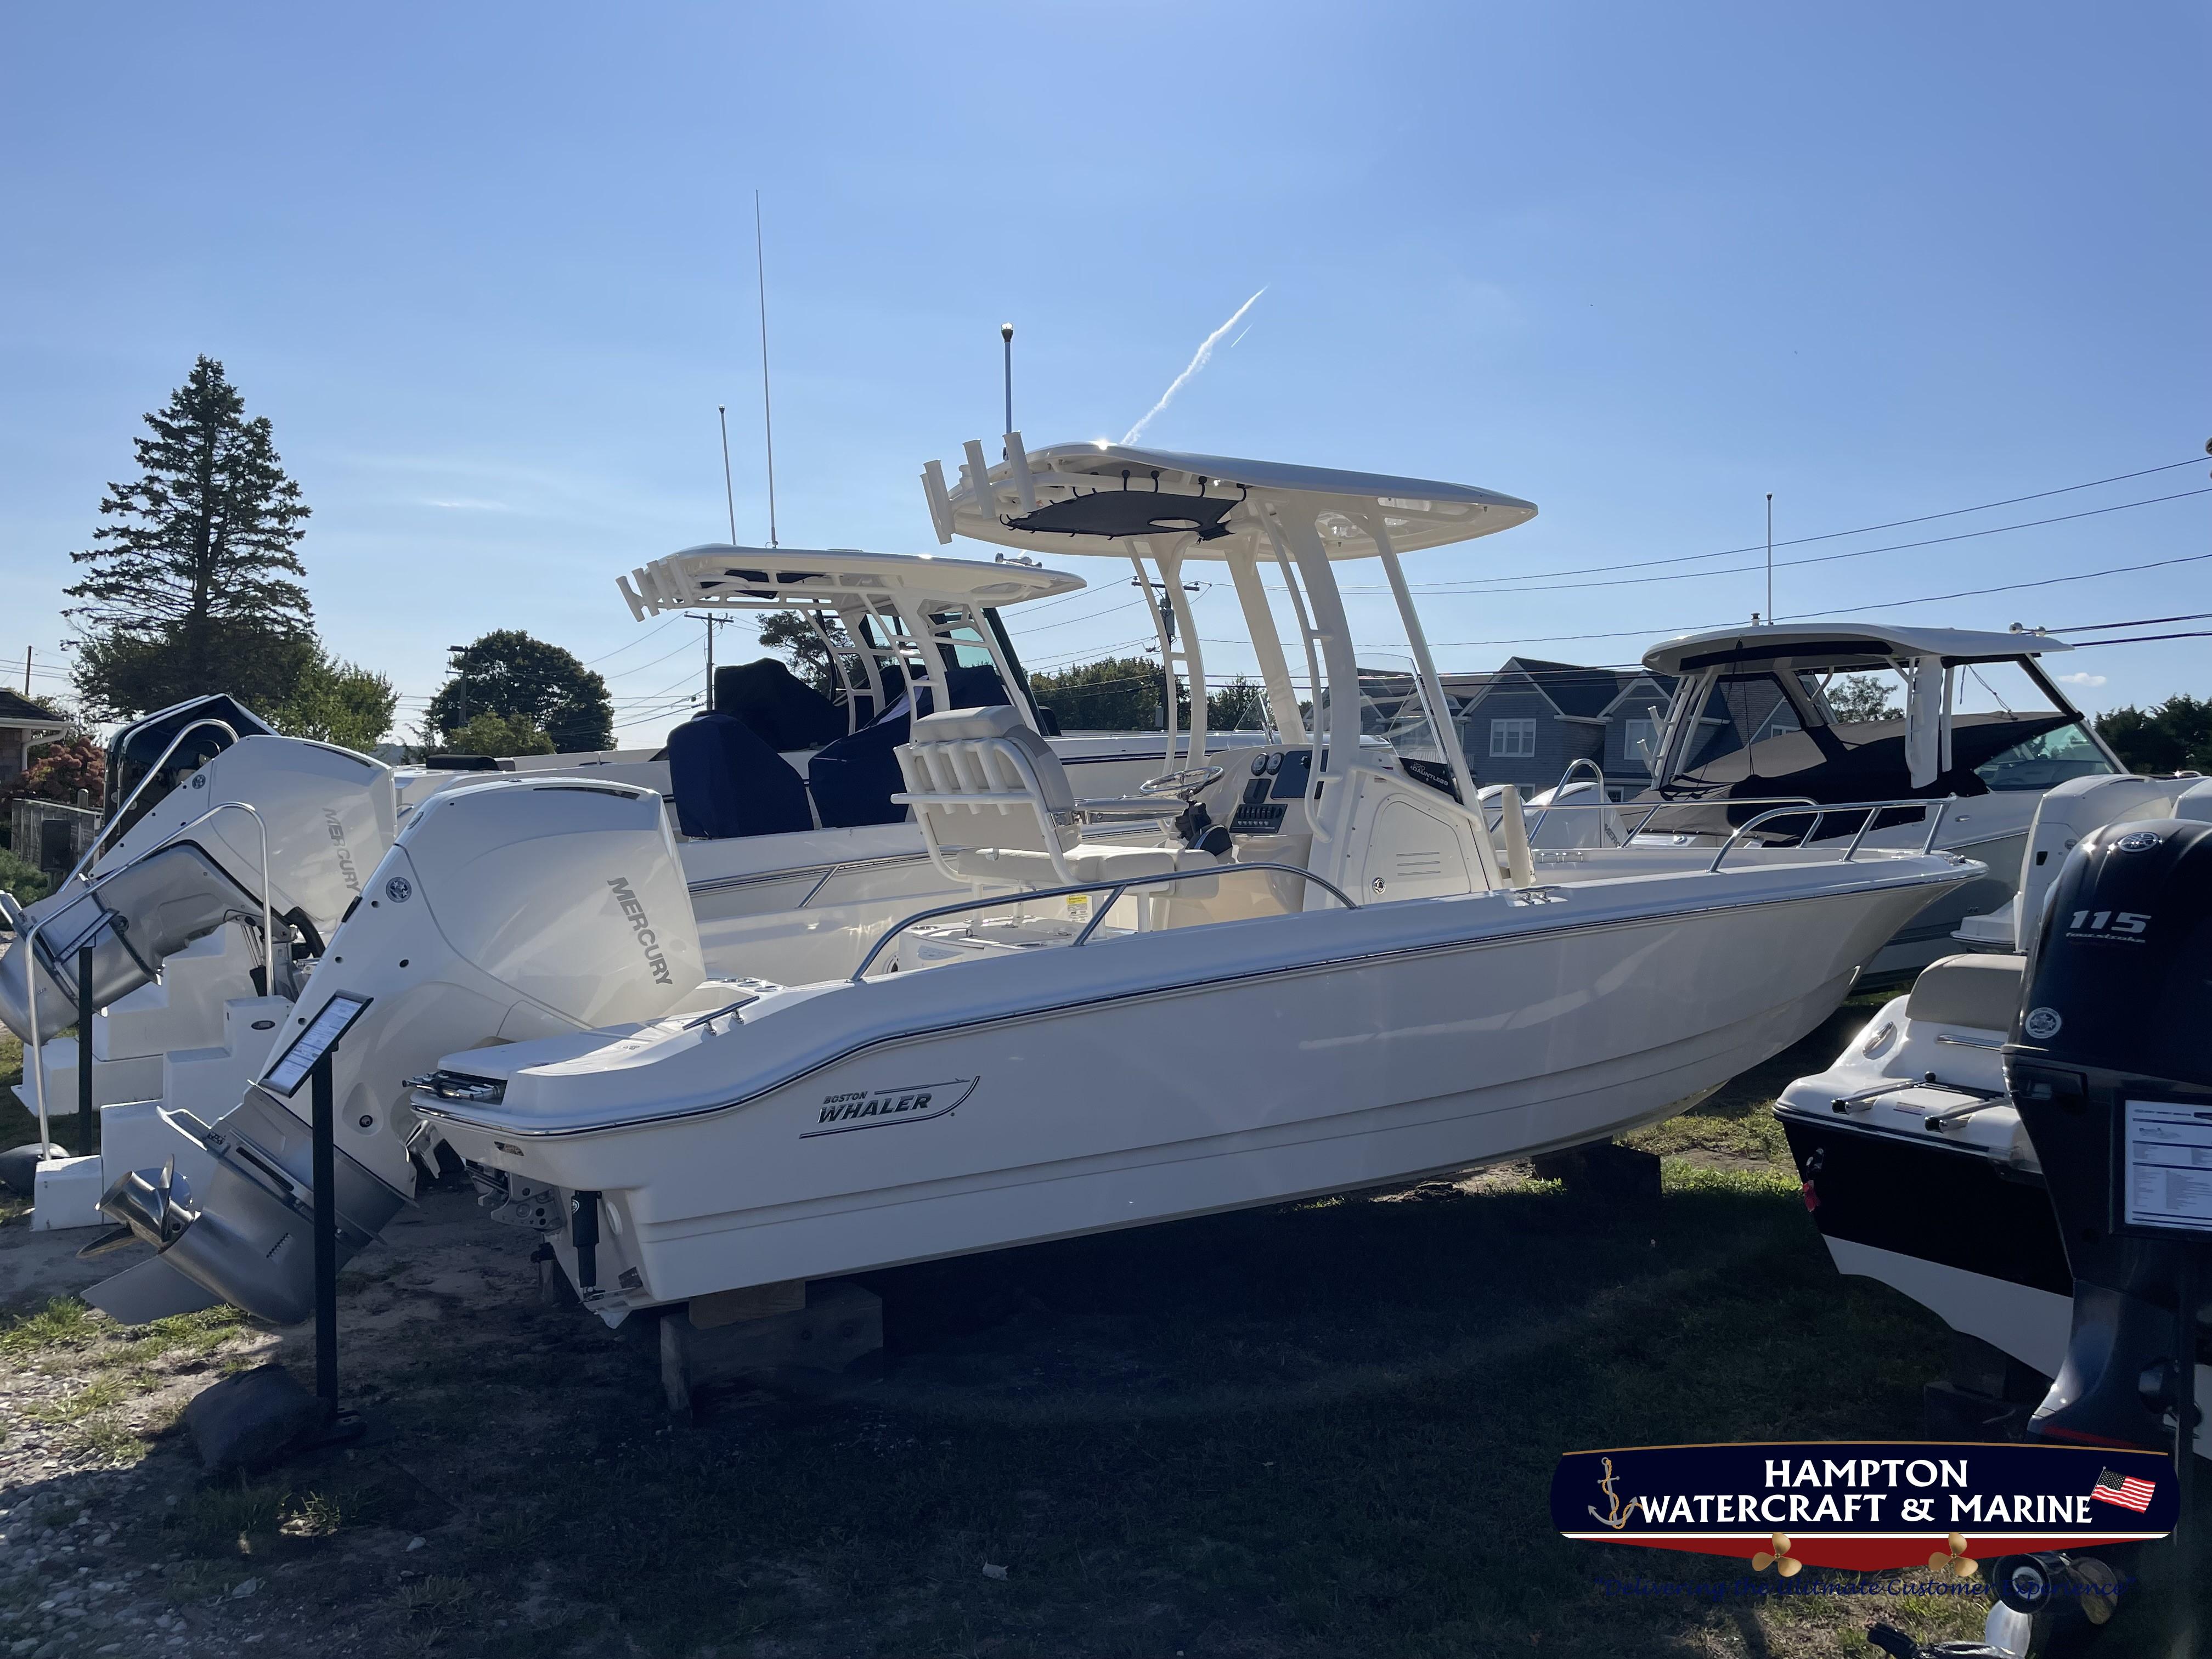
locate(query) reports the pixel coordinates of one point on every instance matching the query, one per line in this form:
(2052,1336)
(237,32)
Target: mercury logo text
(648,941)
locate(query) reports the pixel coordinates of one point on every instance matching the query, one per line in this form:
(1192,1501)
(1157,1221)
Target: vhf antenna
(768,421)
(729,492)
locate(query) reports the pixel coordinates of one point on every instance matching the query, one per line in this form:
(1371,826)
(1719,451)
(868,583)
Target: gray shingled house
(1526,723)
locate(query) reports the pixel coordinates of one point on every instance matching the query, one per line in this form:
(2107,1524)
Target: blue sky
(489,270)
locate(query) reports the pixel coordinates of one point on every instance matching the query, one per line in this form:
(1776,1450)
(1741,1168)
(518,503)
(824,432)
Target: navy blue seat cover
(783,709)
(728,782)
(855,778)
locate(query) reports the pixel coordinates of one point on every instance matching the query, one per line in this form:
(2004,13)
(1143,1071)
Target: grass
(1322,1430)
(1328,1428)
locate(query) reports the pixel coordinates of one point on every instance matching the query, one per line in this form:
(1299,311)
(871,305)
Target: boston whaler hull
(837,1128)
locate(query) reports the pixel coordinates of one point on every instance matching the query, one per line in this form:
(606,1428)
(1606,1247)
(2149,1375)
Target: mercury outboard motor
(506,910)
(2110,1066)
(186,865)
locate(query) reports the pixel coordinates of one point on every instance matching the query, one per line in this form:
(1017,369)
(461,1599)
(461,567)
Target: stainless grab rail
(1116,888)
(1873,809)
(100,841)
(1597,776)
(35,1055)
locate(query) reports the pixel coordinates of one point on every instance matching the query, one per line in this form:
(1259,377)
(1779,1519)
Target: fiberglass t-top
(1163,510)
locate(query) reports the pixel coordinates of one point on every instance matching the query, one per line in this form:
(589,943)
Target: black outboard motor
(2110,1066)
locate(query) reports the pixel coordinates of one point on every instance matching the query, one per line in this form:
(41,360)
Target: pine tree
(191,590)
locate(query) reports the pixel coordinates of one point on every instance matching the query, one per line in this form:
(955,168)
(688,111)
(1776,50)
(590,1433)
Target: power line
(1798,540)
(634,643)
(1457,591)
(1813,616)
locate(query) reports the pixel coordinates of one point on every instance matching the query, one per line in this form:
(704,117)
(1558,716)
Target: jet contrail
(1198,361)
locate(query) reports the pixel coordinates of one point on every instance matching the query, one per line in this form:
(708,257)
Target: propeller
(154,1205)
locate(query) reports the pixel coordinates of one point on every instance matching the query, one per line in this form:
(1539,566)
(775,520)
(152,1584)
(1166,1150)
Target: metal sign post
(326,1237)
(308,1059)
(87,1140)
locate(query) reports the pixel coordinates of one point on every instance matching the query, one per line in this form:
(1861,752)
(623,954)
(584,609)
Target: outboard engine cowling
(2118,1009)
(506,910)
(184,868)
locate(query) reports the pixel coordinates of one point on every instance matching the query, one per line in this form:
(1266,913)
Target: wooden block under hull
(837,1324)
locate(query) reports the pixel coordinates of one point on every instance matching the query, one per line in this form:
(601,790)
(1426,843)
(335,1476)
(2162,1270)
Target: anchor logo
(1617,1515)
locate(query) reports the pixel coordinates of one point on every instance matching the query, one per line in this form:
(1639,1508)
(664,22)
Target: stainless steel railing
(1872,809)
(1114,889)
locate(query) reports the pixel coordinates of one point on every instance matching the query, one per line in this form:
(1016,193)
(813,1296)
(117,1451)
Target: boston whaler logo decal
(871,1109)
(648,941)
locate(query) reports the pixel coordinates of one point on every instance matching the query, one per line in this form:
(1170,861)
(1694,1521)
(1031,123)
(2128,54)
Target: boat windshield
(1779,727)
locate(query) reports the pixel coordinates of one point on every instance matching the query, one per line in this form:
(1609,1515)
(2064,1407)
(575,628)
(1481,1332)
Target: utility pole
(713,622)
(27,670)
(452,650)
(1167,627)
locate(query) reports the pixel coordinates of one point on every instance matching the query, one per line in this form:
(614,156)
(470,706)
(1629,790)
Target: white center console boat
(1329,976)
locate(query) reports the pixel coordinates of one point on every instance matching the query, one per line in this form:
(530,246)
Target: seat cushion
(1980,991)
(783,710)
(728,782)
(1092,861)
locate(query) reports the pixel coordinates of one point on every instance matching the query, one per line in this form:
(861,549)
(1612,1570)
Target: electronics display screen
(292,1066)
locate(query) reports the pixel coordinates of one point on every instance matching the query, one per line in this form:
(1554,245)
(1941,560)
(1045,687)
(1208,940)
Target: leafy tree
(1237,708)
(791,635)
(191,589)
(499,736)
(340,702)
(2173,736)
(1855,697)
(57,770)
(508,672)
(1115,694)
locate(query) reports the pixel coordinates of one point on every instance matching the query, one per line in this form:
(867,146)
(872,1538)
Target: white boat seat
(994,805)
(1979,991)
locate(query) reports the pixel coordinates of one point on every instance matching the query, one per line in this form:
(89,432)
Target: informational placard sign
(2167,1175)
(332,1022)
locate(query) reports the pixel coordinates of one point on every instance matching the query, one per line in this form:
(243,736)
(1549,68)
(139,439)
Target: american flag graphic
(2126,1490)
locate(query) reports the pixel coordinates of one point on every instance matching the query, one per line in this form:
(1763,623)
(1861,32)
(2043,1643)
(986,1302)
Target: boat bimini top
(1164,509)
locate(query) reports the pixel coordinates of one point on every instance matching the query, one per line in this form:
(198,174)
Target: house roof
(16,709)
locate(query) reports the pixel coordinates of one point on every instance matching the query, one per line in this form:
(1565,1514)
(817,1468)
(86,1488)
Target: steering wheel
(1186,783)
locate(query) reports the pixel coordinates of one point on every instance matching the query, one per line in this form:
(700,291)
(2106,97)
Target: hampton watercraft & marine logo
(1865,1505)
(872,1108)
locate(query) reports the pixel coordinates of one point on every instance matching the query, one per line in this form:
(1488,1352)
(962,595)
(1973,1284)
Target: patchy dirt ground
(1322,1429)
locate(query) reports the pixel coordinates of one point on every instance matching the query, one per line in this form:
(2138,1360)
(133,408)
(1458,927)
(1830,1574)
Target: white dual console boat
(1763,717)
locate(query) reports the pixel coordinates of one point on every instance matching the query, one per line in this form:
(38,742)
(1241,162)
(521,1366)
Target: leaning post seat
(853,780)
(994,805)
(728,782)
